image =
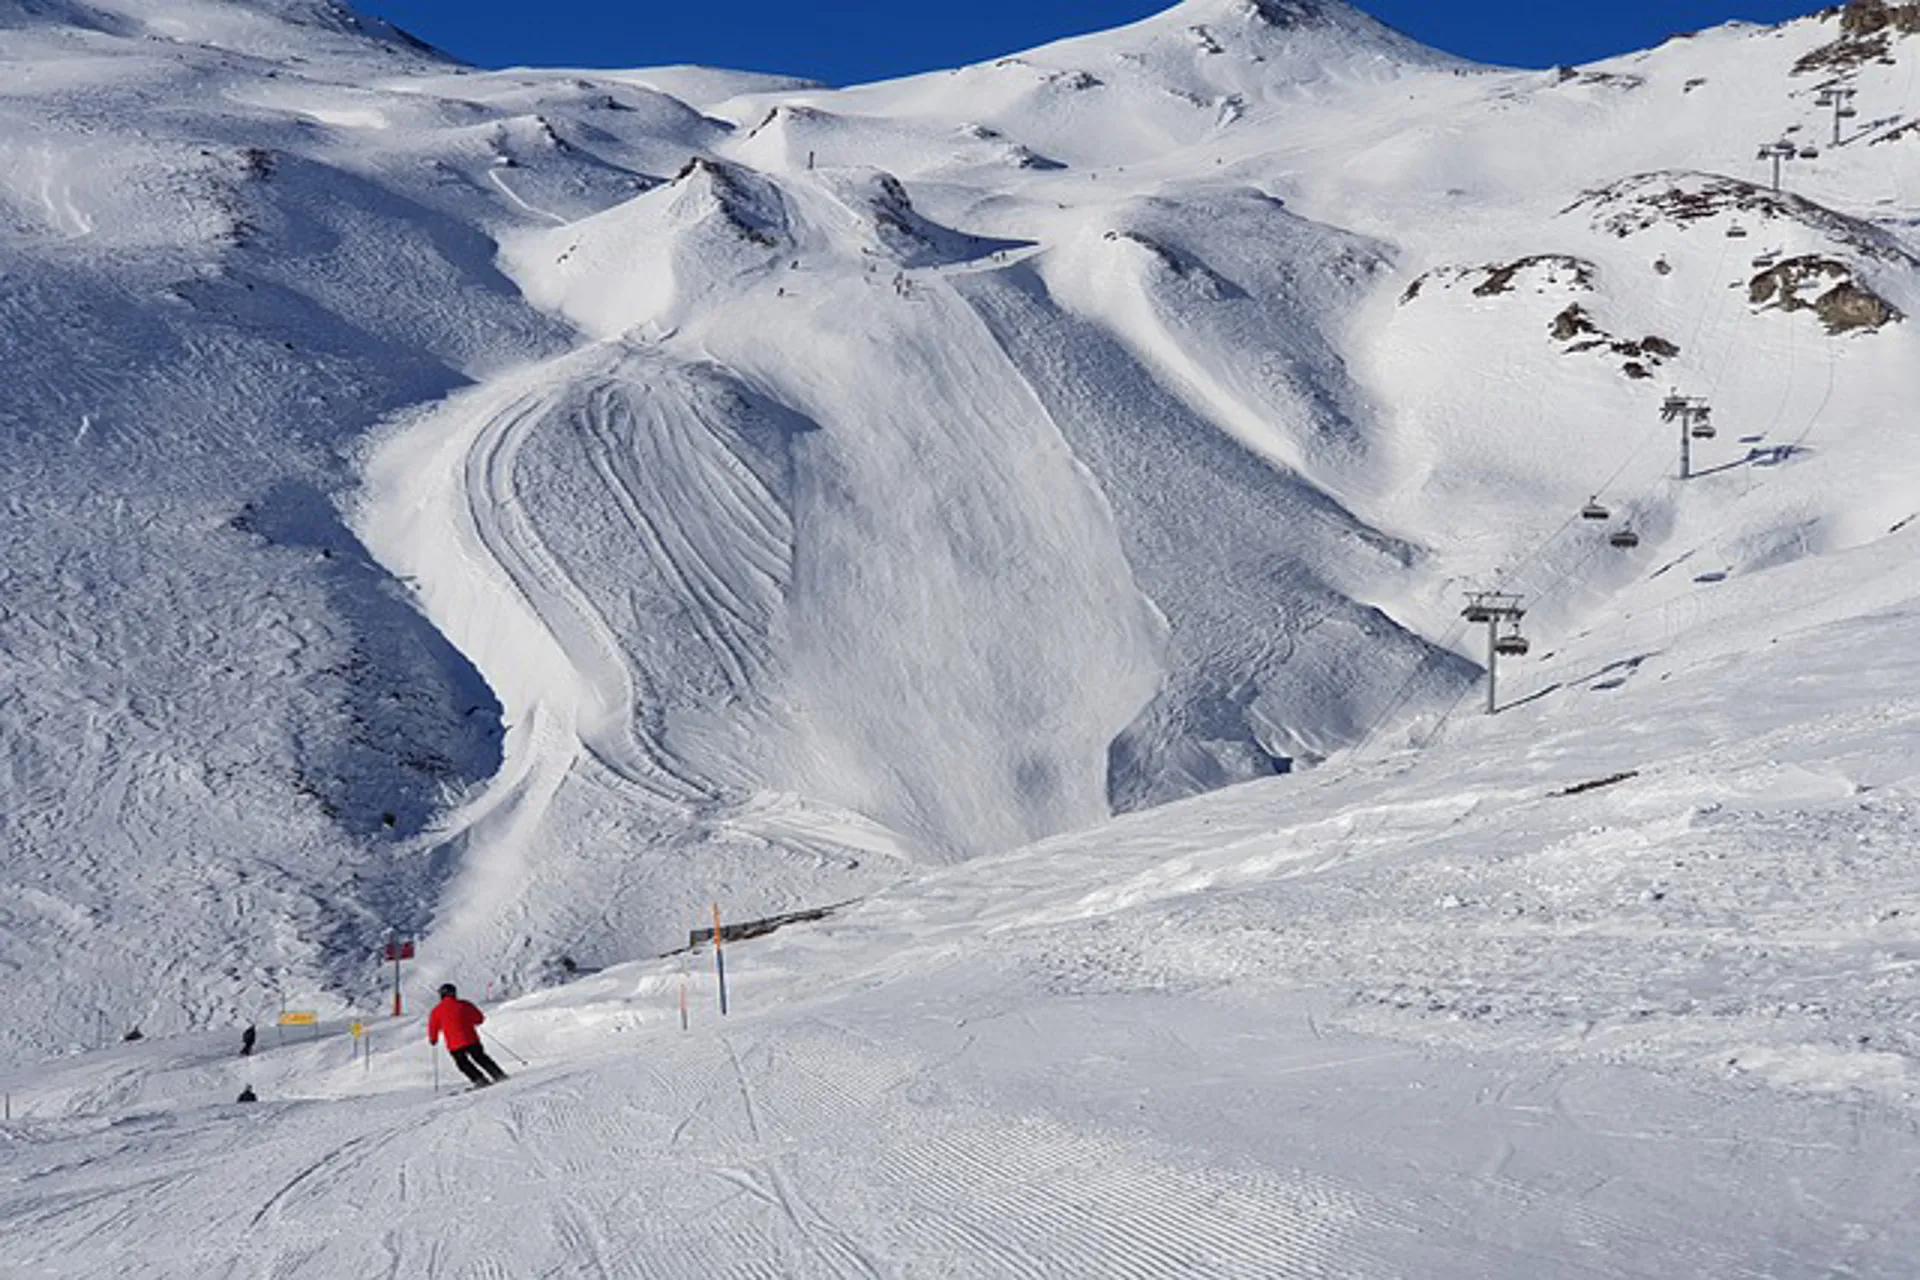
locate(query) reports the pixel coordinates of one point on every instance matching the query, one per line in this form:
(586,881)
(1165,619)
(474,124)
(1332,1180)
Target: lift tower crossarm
(1494,608)
(1839,96)
(1777,152)
(1694,416)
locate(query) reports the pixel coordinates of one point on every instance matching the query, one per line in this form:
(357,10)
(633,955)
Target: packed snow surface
(1027,511)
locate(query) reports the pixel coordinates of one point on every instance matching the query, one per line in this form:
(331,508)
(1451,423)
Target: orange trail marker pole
(719,960)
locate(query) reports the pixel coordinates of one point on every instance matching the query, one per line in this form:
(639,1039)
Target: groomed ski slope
(1422,1013)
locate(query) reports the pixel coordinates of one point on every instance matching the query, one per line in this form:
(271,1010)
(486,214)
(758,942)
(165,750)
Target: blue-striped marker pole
(719,960)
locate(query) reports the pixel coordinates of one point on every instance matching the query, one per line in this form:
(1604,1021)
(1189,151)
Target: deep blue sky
(848,41)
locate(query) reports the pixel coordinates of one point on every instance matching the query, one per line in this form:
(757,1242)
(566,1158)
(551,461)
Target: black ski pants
(473,1061)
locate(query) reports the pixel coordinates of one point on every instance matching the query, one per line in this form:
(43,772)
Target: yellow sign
(357,1030)
(292,1018)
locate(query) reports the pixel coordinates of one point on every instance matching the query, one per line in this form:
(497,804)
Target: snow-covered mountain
(520,508)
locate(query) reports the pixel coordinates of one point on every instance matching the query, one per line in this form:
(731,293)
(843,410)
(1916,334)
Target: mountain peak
(1283,13)
(1291,29)
(252,26)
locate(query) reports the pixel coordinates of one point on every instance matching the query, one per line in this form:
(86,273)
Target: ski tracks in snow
(956,1189)
(510,538)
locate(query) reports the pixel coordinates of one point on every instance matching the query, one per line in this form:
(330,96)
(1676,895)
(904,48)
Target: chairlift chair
(1512,646)
(1594,511)
(1624,539)
(1702,431)
(1477,613)
(1736,232)
(1847,113)
(1809,153)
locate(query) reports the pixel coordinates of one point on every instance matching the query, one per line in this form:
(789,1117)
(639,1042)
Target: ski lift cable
(1509,577)
(1579,517)
(1785,401)
(1826,398)
(1832,352)
(1719,534)
(1715,537)
(1457,632)
(1544,595)
(1560,580)
(1711,318)
(1718,303)
(1446,644)
(1714,311)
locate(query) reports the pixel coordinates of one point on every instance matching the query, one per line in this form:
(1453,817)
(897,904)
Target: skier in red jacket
(458,1019)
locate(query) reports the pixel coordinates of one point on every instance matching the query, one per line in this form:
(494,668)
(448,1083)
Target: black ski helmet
(447,989)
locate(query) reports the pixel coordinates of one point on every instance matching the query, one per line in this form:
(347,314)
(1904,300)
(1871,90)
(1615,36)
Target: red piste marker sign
(396,952)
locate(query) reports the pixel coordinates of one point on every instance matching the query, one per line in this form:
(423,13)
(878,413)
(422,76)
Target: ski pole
(510,1053)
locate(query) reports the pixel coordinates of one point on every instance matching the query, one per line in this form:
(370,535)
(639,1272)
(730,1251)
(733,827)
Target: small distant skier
(246,1042)
(459,1021)
(247,1095)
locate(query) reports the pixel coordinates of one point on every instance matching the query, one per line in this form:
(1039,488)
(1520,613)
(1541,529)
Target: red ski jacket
(456,1019)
